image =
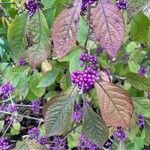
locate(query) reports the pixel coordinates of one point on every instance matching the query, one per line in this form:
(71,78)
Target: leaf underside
(115,104)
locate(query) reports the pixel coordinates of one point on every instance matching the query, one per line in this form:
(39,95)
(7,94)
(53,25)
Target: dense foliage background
(74,74)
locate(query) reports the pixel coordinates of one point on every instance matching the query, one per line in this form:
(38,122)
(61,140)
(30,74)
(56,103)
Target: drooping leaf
(135,6)
(58,112)
(34,145)
(16,36)
(94,127)
(138,33)
(139,82)
(108,25)
(49,78)
(33,83)
(115,104)
(38,33)
(64,29)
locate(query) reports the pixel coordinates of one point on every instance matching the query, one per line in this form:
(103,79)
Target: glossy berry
(4,144)
(120,134)
(140,120)
(34,133)
(43,140)
(6,88)
(58,143)
(36,106)
(142,71)
(77,113)
(22,62)
(84,143)
(32,6)
(121,4)
(12,108)
(99,50)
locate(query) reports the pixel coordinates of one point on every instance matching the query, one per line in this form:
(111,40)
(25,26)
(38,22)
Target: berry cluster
(85,4)
(121,4)
(5,90)
(120,134)
(36,106)
(12,108)
(34,133)
(99,49)
(77,113)
(108,143)
(32,6)
(58,143)
(22,62)
(141,120)
(85,143)
(142,71)
(4,144)
(85,79)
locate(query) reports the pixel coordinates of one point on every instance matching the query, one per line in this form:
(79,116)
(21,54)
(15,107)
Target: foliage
(74,70)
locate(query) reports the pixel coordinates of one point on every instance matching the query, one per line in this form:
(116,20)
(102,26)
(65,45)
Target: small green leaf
(73,58)
(138,33)
(94,127)
(142,106)
(139,82)
(15,130)
(49,78)
(34,81)
(1,125)
(82,31)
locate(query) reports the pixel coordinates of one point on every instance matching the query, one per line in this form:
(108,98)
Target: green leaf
(15,130)
(142,106)
(50,16)
(48,3)
(49,78)
(73,58)
(138,81)
(16,36)
(58,113)
(39,46)
(1,125)
(82,31)
(133,66)
(94,127)
(138,143)
(34,81)
(146,132)
(138,33)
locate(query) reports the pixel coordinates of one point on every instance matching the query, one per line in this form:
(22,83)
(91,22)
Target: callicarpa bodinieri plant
(75,75)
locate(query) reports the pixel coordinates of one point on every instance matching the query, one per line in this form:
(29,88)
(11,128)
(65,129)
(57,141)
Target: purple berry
(43,140)
(85,143)
(6,88)
(34,133)
(148,93)
(141,120)
(36,106)
(120,134)
(22,62)
(121,4)
(142,71)
(32,6)
(4,144)
(12,108)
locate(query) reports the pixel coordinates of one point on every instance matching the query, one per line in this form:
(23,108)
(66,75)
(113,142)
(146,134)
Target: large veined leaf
(139,82)
(16,36)
(115,104)
(39,43)
(94,127)
(64,29)
(108,25)
(58,113)
(135,6)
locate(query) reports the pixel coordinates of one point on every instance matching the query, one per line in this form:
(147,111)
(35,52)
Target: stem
(20,115)
(20,105)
